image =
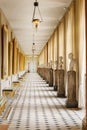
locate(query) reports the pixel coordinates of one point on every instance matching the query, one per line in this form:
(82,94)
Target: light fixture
(36,15)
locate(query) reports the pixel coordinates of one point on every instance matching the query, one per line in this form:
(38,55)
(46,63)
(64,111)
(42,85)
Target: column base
(84,126)
(71,104)
(62,95)
(50,85)
(55,88)
(47,82)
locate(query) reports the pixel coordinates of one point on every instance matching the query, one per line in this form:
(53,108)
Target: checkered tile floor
(36,107)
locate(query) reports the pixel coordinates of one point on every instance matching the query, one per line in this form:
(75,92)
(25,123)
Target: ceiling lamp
(36,15)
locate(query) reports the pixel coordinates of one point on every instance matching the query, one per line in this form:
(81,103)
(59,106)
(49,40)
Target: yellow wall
(61,39)
(70,33)
(49,51)
(55,45)
(11,36)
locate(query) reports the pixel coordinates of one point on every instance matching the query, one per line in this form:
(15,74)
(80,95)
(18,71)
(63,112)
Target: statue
(51,64)
(56,64)
(72,61)
(60,66)
(48,64)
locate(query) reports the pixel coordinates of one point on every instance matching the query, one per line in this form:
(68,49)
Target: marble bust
(50,64)
(55,65)
(60,65)
(72,61)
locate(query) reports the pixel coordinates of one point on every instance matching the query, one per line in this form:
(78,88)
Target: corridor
(37,107)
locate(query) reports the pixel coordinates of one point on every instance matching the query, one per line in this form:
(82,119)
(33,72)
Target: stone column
(84,123)
(60,83)
(55,79)
(71,86)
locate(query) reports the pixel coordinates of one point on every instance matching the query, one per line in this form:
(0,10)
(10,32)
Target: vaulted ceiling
(19,14)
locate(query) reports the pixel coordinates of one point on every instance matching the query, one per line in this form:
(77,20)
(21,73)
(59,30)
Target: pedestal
(60,84)
(71,86)
(55,80)
(46,75)
(50,77)
(84,125)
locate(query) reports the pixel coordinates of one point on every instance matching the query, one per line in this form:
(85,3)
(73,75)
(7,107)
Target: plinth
(50,77)
(84,125)
(71,86)
(60,83)
(55,80)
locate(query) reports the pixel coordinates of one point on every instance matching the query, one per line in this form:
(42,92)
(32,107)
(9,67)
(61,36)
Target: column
(0,54)
(84,123)
(71,86)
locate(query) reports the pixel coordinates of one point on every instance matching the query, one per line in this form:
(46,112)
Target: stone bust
(60,65)
(72,61)
(55,65)
(51,64)
(48,64)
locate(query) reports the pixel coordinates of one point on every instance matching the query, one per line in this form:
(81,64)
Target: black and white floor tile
(38,108)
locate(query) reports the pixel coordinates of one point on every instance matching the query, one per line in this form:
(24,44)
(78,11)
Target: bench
(8,92)
(16,84)
(21,78)
(2,104)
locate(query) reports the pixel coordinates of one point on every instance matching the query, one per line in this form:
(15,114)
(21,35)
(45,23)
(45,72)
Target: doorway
(33,67)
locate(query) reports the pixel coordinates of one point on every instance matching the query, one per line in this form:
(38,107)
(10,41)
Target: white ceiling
(19,14)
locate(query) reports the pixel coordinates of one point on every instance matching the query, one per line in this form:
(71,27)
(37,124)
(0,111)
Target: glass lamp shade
(36,22)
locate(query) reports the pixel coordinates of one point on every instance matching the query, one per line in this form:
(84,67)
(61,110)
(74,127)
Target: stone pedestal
(51,77)
(47,75)
(60,83)
(71,86)
(55,80)
(84,125)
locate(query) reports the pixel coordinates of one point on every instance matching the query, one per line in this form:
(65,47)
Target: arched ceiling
(19,14)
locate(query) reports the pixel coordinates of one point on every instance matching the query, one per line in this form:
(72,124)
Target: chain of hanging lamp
(33,48)
(35,20)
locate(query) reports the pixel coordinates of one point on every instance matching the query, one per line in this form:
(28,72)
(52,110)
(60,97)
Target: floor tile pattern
(37,107)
